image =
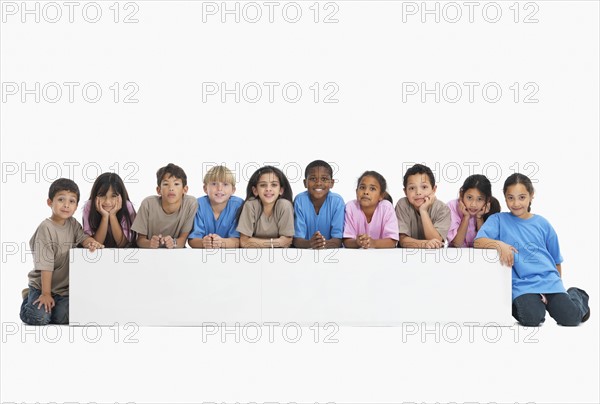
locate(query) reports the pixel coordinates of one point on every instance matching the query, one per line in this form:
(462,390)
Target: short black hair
(173,171)
(318,163)
(419,169)
(63,184)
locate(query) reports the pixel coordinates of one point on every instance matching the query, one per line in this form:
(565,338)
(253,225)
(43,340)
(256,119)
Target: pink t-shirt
(384,223)
(455,219)
(86,222)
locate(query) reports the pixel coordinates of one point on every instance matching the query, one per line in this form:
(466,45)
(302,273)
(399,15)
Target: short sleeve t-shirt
(329,222)
(384,223)
(410,223)
(50,244)
(224,226)
(534,269)
(254,224)
(151,219)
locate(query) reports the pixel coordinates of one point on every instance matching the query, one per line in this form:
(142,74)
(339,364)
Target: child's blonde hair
(220,174)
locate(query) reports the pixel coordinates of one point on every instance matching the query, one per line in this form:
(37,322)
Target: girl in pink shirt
(108,214)
(468,213)
(370,220)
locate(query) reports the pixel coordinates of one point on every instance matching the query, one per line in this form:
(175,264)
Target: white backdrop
(517,90)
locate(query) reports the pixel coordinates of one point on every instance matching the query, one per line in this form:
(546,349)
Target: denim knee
(529,310)
(30,314)
(60,312)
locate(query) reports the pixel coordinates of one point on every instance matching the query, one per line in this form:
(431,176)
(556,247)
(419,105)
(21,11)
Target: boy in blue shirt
(215,222)
(47,298)
(319,213)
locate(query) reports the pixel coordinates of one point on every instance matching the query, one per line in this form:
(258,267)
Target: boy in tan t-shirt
(47,298)
(166,219)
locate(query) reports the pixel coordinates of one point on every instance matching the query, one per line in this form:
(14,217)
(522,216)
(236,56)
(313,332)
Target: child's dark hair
(419,169)
(171,170)
(484,186)
(494,208)
(63,184)
(382,183)
(100,188)
(318,163)
(253,182)
(518,178)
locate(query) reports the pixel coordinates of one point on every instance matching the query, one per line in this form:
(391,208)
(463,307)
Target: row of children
(316,218)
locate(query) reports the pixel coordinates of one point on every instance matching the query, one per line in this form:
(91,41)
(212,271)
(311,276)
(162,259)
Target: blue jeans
(30,314)
(567,309)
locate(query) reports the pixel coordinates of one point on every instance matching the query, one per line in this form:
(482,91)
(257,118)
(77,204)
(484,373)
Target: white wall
(368,54)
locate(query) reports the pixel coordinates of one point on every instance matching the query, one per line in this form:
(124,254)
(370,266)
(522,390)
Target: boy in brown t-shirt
(166,219)
(47,298)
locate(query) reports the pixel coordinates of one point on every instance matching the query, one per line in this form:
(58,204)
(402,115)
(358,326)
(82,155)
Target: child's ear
(332,183)
(158,190)
(404,189)
(434,189)
(233,189)
(254,192)
(204,188)
(185,189)
(281,191)
(304,182)
(49,202)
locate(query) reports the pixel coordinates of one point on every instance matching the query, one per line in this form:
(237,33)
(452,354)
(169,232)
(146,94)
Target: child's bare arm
(46,298)
(144,242)
(506,251)
(409,242)
(256,242)
(383,243)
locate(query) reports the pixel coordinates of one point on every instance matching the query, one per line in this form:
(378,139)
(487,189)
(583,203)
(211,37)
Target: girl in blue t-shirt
(529,244)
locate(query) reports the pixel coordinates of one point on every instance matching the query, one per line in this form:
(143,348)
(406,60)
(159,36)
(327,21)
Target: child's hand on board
(94,245)
(364,241)
(168,242)
(155,241)
(434,243)
(217,241)
(429,200)
(45,300)
(317,241)
(507,256)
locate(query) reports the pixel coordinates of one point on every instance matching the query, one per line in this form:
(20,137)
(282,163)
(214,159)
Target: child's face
(368,192)
(417,188)
(518,200)
(268,188)
(108,201)
(63,205)
(219,192)
(171,189)
(473,200)
(318,182)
